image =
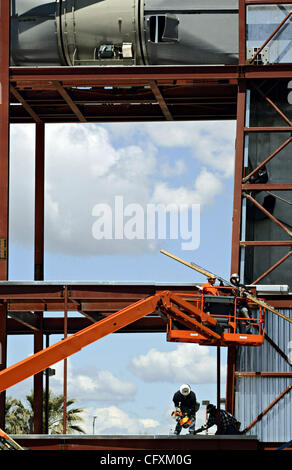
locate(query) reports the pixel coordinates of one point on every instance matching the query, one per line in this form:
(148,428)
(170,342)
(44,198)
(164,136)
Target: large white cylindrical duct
(123,32)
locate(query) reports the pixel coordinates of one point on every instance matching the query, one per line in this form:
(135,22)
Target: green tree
(19,418)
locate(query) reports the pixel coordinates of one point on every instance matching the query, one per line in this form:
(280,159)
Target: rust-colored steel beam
(161,101)
(262,72)
(274,219)
(277,375)
(55,325)
(237,197)
(97,299)
(230,379)
(50,292)
(238,173)
(3,358)
(277,349)
(242,32)
(28,319)
(267,187)
(265,2)
(171,81)
(274,106)
(140,76)
(65,387)
(267,129)
(281,303)
(26,106)
(124,75)
(276,30)
(39,263)
(272,155)
(266,410)
(272,268)
(39,202)
(69,101)
(38,383)
(150,444)
(4,136)
(4,179)
(218,389)
(267,243)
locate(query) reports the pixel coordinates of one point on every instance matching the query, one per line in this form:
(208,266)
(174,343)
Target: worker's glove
(176,414)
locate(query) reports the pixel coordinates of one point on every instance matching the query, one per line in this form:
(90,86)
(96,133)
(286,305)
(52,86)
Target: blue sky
(127,381)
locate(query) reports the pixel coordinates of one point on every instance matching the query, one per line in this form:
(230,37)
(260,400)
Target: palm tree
(19,418)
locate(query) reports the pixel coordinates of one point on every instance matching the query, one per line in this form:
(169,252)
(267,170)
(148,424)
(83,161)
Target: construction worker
(185,401)
(242,304)
(228,424)
(234,279)
(209,287)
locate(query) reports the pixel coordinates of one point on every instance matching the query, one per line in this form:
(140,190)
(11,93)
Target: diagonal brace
(274,219)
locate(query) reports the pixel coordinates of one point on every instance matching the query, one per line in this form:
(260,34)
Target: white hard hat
(234,276)
(185,389)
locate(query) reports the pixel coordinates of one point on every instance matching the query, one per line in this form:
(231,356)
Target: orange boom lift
(194,318)
(213,320)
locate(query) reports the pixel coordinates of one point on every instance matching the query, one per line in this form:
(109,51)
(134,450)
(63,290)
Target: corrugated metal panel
(254,394)
(262,21)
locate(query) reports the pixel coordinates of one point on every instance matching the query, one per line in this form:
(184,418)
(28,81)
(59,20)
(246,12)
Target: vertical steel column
(38,385)
(230,381)
(39,202)
(238,175)
(65,361)
(218,388)
(237,216)
(39,264)
(47,393)
(3,358)
(4,177)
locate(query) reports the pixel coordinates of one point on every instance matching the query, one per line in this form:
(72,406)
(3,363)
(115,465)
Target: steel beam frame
(162,82)
(4,179)
(242,189)
(39,264)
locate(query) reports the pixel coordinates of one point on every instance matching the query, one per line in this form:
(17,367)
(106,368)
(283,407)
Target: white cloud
(206,187)
(212,143)
(85,166)
(83,169)
(177,168)
(95,385)
(113,420)
(188,363)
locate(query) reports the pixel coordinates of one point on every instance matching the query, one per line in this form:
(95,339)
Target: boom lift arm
(194,325)
(7,443)
(43,359)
